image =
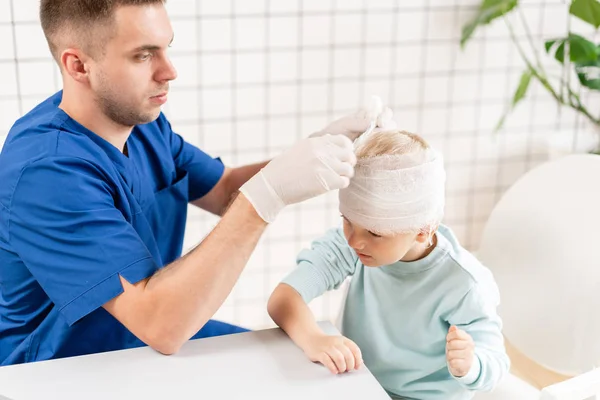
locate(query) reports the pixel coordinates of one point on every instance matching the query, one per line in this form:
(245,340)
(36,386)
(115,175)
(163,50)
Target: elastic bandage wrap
(392,194)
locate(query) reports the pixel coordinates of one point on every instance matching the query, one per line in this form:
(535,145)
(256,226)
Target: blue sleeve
(66,229)
(476,314)
(204,172)
(323,267)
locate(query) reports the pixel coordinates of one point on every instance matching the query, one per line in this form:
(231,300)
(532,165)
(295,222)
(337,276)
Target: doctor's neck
(87,111)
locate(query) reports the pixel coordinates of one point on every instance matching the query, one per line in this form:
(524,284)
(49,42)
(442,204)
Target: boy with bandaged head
(420,310)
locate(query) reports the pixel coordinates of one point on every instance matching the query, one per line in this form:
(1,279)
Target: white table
(255,365)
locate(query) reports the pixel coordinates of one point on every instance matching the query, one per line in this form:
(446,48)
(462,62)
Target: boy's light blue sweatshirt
(399,314)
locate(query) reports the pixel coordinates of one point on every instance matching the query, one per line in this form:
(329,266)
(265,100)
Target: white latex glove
(353,125)
(312,167)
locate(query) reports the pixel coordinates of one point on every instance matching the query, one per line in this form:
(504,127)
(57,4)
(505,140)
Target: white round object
(541,243)
(511,387)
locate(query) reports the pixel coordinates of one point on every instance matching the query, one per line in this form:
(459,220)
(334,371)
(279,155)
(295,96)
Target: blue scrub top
(75,213)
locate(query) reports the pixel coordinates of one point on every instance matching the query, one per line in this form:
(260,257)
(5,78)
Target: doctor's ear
(74,63)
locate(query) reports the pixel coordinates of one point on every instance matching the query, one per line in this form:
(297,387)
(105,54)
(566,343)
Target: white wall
(257,75)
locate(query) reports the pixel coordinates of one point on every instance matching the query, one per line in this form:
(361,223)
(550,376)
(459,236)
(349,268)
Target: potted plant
(578,56)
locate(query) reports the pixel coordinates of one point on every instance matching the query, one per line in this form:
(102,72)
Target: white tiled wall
(257,75)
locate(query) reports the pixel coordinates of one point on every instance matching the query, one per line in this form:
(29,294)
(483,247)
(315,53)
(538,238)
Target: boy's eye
(374,234)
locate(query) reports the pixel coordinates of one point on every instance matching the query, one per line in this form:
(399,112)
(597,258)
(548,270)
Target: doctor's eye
(143,56)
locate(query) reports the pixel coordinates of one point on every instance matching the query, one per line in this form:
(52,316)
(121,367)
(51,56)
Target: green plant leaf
(549,43)
(522,88)
(589,74)
(581,50)
(517,97)
(500,123)
(488,11)
(586,10)
(588,71)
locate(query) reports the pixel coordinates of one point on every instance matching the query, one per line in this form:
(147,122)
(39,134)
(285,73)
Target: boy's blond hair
(390,143)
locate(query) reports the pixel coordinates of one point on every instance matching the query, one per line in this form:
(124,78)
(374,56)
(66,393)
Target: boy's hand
(338,353)
(460,351)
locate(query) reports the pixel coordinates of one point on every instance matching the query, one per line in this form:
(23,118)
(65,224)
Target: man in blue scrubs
(94,192)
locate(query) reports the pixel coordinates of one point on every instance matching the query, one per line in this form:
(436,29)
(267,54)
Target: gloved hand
(310,168)
(353,125)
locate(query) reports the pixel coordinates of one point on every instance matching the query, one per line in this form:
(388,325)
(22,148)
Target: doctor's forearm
(168,308)
(193,289)
(220,197)
(240,175)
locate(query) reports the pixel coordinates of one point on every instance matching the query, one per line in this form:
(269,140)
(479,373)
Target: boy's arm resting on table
(324,267)
(168,308)
(476,315)
(289,311)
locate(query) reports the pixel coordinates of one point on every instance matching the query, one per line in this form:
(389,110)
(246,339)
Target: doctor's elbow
(165,346)
(168,335)
(164,341)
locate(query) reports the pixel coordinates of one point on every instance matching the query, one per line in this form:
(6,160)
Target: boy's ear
(425,237)
(422,237)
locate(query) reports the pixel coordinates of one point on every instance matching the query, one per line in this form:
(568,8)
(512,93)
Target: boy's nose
(356,244)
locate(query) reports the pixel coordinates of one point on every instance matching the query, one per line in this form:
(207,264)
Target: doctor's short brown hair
(66,20)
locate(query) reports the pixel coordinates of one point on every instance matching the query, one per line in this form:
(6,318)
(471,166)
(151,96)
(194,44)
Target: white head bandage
(395,193)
